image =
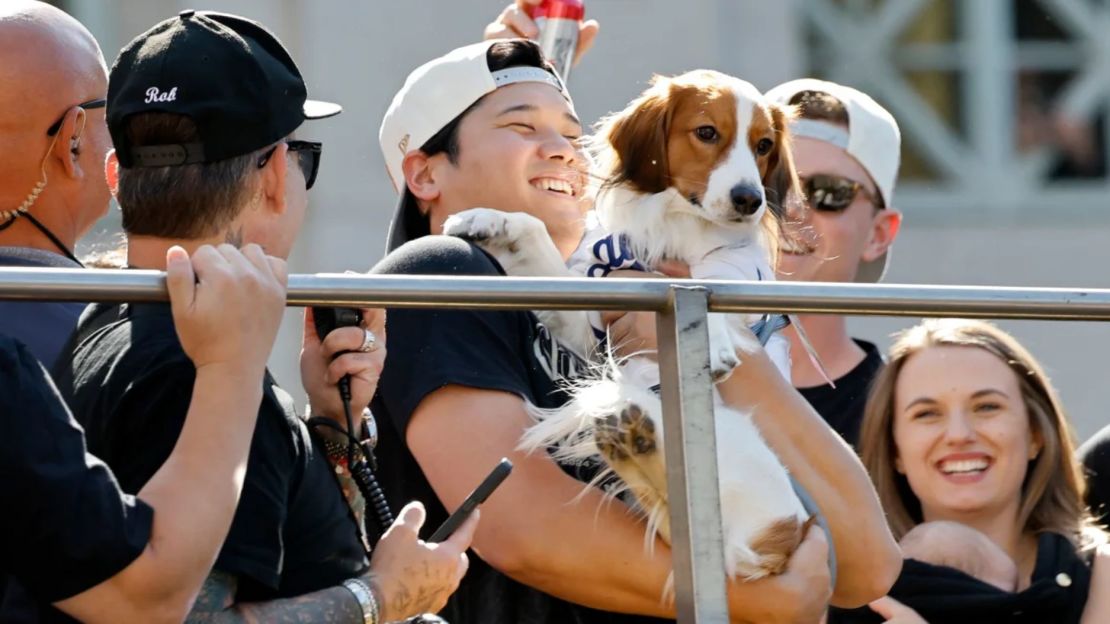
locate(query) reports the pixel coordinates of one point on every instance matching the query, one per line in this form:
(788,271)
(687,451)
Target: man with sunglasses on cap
(52,147)
(846,149)
(490,125)
(202,109)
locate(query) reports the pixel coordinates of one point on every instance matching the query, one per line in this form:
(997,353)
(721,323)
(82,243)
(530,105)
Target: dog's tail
(567,431)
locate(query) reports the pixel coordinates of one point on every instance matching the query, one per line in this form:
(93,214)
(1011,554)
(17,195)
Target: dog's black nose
(746,199)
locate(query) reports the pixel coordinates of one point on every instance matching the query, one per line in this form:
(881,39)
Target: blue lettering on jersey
(613,253)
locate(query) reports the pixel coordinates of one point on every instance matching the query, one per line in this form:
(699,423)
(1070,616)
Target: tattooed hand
(413,577)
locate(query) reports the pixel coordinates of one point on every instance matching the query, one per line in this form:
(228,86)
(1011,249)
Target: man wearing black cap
(201,110)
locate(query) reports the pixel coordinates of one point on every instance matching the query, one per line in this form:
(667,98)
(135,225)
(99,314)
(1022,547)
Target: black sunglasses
(830,193)
(91,104)
(308,157)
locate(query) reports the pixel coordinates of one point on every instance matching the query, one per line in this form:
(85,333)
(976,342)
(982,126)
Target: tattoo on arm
(216,596)
(354,497)
(417,589)
(354,500)
(216,605)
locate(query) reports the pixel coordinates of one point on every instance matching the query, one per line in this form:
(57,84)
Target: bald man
(53,142)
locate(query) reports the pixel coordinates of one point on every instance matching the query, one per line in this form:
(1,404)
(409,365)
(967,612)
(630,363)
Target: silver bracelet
(371,613)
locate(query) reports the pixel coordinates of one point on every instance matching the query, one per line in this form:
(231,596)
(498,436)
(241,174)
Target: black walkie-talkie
(326,320)
(329,319)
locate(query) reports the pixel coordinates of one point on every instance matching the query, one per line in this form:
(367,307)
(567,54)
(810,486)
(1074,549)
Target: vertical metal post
(691,454)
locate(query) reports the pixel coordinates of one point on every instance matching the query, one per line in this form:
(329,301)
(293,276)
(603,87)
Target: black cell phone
(477,497)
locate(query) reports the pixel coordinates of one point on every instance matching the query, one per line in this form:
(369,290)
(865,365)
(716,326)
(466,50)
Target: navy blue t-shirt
(44,326)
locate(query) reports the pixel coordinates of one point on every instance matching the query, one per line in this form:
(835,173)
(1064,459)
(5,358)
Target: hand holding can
(515,21)
(559,22)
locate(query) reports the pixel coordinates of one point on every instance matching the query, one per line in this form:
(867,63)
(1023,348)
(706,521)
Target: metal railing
(681,307)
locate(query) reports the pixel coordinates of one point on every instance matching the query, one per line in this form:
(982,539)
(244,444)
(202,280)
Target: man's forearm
(216,605)
(602,562)
(867,555)
(541,528)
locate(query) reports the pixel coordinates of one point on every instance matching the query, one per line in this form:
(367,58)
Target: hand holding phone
(477,497)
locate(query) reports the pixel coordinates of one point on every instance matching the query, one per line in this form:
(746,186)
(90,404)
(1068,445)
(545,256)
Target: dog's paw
(722,349)
(492,227)
(477,224)
(722,361)
(629,434)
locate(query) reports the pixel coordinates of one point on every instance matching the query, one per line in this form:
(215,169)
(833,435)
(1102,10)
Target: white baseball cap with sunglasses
(872,138)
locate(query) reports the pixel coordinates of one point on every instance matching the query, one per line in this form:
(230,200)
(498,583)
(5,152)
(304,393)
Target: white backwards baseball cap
(433,95)
(872,138)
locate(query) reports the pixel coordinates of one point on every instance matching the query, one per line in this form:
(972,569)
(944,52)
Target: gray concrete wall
(1062,255)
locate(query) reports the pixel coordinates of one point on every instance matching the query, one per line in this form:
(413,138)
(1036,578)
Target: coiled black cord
(360,470)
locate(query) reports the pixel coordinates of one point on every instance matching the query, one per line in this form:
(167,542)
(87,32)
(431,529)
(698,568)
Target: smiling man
(490,125)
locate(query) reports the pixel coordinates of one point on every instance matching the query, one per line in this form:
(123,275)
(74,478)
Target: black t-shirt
(509,351)
(940,594)
(1095,455)
(842,406)
(130,385)
(67,526)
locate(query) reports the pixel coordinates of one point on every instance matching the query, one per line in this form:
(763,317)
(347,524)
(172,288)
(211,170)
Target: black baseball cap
(230,75)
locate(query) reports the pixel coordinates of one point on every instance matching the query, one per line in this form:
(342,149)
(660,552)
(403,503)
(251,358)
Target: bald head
(48,62)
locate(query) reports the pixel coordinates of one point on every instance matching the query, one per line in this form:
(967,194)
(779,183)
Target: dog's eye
(707,134)
(764,146)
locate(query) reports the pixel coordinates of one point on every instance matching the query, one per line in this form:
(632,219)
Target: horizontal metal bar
(593,294)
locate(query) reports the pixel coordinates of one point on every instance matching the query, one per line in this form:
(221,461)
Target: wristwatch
(369,429)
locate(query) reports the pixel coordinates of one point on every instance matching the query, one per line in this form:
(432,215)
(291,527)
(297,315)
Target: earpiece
(75,142)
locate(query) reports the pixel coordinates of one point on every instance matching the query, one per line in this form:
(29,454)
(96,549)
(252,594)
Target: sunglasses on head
(831,193)
(308,157)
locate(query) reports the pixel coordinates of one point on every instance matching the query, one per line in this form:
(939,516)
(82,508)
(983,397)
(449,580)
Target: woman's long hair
(1052,494)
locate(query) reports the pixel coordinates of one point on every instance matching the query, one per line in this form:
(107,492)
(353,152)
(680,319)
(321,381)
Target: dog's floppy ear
(781,180)
(638,136)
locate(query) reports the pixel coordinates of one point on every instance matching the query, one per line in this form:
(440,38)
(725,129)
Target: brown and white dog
(685,170)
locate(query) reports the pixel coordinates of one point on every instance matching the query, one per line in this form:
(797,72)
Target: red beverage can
(558,21)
